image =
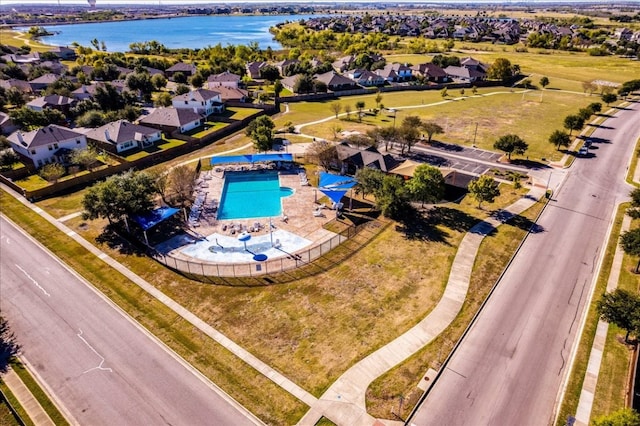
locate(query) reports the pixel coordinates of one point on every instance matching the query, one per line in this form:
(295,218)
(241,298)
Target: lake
(191,32)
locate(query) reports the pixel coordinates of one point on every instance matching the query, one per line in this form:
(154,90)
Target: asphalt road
(100,364)
(510,366)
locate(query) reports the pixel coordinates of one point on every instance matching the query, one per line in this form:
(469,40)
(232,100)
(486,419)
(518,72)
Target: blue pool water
(251,194)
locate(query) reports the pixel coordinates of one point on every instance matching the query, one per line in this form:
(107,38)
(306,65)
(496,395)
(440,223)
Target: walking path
(585,404)
(344,401)
(26,399)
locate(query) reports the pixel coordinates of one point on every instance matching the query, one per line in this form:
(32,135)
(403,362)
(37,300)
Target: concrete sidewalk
(26,399)
(344,401)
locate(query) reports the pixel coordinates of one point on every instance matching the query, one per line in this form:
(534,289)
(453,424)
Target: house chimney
(21,139)
(106,134)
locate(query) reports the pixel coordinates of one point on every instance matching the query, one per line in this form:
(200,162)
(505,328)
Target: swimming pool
(251,194)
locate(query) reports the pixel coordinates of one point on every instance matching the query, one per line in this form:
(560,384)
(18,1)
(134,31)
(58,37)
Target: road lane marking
(34,281)
(99,367)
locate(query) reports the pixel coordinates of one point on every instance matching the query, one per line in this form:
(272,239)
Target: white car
(583,151)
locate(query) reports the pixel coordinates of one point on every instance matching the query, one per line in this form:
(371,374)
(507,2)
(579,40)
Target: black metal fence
(286,262)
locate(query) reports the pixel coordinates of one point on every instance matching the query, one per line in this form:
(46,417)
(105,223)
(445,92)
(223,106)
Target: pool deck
(298,212)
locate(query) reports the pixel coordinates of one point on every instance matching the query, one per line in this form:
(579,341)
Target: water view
(191,32)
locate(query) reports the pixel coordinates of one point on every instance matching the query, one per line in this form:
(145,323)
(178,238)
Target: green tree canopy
(544,82)
(427,184)
(485,188)
(573,122)
(630,243)
(86,157)
(500,69)
(392,197)
(119,196)
(511,144)
(560,138)
(409,132)
(622,417)
(369,180)
(260,131)
(607,98)
(621,308)
(52,172)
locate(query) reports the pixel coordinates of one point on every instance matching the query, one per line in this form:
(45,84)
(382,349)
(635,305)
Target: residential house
(464,74)
(232,94)
(253,69)
(282,65)
(430,72)
(121,135)
(59,102)
(290,82)
(42,82)
(29,58)
(471,63)
(88,91)
(55,67)
(170,120)
(153,71)
(336,82)
(7,125)
(187,69)
(21,85)
(366,78)
(350,159)
(202,101)
(50,144)
(63,52)
(225,79)
(345,63)
(396,72)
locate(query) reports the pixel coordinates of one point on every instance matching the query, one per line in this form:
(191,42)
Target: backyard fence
(288,261)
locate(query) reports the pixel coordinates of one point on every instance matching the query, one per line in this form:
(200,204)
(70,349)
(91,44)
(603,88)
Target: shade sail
(154,217)
(331,181)
(335,194)
(250,158)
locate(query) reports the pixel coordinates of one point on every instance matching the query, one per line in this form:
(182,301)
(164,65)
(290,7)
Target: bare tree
(322,153)
(336,108)
(182,184)
(347,110)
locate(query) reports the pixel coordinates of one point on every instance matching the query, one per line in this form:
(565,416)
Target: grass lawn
(208,128)
(265,399)
(574,387)
(493,256)
(38,393)
(166,143)
(494,114)
(315,328)
(612,383)
(32,182)
(6,414)
(237,113)
(17,39)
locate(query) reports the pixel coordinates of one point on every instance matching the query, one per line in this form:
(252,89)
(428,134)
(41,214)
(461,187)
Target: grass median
(574,386)
(259,394)
(385,394)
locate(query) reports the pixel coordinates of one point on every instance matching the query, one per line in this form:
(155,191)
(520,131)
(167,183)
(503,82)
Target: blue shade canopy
(154,217)
(331,181)
(250,158)
(335,186)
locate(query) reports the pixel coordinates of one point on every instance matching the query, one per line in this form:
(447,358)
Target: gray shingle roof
(44,136)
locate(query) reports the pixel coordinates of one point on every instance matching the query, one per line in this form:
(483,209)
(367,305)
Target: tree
(409,132)
(484,189)
(9,346)
(392,198)
(8,158)
(573,122)
(86,157)
(596,107)
(182,89)
(52,172)
(427,184)
(589,87)
(432,128)
(511,144)
(29,119)
(622,417)
(277,88)
(500,69)
(304,84)
(378,100)
(181,183)
(544,82)
(322,153)
(261,131)
(163,99)
(159,81)
(559,138)
(634,210)
(335,107)
(585,113)
(180,77)
(369,180)
(444,93)
(621,308)
(91,119)
(629,87)
(347,110)
(630,243)
(360,107)
(119,196)
(269,73)
(474,90)
(108,98)
(607,98)
(197,80)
